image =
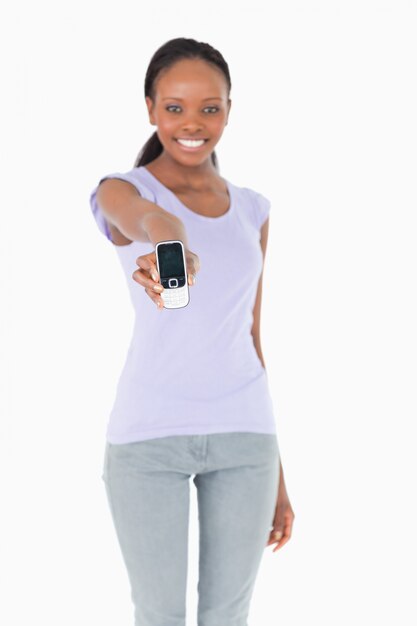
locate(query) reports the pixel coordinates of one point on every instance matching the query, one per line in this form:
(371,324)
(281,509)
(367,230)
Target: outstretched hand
(147,274)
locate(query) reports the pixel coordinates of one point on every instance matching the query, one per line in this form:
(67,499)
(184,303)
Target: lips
(191,138)
(192,148)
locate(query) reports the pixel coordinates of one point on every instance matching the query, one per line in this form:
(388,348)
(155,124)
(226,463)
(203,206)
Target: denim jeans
(147,485)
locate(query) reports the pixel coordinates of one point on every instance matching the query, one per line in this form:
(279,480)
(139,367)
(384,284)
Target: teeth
(190,143)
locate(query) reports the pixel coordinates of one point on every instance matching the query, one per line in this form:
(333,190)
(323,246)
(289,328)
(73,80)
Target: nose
(192,125)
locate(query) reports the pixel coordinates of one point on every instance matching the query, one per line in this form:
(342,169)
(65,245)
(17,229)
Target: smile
(191,144)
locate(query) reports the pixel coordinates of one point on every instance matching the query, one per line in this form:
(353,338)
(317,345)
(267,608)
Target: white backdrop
(323,122)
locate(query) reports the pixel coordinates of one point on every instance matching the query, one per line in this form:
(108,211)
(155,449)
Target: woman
(193,396)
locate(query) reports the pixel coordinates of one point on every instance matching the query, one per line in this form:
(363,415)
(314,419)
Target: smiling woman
(189,101)
(193,397)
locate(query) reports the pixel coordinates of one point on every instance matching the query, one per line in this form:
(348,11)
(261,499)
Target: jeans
(147,485)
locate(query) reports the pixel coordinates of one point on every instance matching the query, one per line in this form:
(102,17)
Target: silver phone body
(171,265)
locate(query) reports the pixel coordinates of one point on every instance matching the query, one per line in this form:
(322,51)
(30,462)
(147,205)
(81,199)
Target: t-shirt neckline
(197,216)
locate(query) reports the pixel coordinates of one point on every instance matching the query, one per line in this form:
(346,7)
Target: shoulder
(139,182)
(137,178)
(256,204)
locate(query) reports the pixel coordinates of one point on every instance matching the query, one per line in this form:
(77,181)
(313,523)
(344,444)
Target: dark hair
(169,53)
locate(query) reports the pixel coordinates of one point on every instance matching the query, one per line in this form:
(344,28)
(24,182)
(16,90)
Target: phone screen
(171,262)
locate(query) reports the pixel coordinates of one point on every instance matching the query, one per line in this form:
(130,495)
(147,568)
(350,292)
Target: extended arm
(135,217)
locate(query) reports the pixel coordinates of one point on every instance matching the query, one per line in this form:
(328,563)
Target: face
(191,102)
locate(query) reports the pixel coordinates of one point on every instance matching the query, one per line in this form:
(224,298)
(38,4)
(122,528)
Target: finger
(283,540)
(192,265)
(281,543)
(272,539)
(147,262)
(146,282)
(275,535)
(159,303)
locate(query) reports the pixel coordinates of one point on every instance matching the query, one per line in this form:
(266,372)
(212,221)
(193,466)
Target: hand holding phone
(148,274)
(171,266)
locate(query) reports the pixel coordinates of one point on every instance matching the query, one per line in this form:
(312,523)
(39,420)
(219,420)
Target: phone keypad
(175,298)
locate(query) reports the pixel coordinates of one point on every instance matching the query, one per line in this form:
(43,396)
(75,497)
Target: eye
(175,106)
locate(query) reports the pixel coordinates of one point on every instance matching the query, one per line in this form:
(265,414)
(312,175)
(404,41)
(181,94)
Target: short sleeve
(97,213)
(262,209)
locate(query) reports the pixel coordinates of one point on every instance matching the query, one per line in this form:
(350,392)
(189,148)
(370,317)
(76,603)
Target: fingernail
(154,276)
(158,288)
(278,534)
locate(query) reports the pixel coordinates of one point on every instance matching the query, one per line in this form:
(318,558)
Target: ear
(228,111)
(149,105)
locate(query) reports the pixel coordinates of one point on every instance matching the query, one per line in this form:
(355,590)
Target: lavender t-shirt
(194,370)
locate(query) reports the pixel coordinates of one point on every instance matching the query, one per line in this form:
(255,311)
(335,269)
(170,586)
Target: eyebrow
(175,98)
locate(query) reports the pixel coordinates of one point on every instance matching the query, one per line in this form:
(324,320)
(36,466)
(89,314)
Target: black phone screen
(171,262)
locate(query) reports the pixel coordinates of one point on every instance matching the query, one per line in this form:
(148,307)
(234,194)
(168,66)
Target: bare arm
(139,219)
(134,216)
(256,326)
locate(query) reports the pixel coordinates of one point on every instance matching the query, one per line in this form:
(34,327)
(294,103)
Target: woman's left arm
(256,326)
(284,515)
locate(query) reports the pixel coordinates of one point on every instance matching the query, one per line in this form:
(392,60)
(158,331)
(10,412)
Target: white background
(323,122)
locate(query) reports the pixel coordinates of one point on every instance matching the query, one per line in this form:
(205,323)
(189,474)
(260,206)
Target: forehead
(191,79)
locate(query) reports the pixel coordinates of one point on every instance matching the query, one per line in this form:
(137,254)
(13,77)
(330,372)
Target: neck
(194,176)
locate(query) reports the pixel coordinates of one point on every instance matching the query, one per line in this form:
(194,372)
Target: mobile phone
(171,265)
